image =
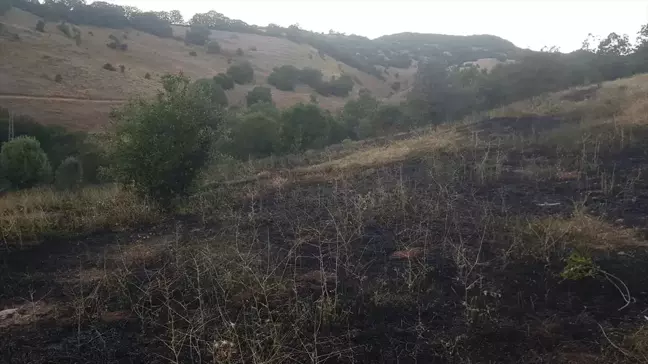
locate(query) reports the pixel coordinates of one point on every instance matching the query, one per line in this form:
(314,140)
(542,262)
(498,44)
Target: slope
(30,61)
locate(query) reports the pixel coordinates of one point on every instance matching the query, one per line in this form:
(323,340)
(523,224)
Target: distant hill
(85,92)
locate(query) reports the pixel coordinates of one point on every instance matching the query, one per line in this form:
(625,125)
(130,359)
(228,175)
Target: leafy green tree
(149,22)
(213,90)
(24,163)
(197,34)
(259,94)
(356,111)
(224,81)
(159,147)
(305,126)
(241,73)
(284,78)
(256,134)
(69,175)
(311,77)
(175,17)
(615,44)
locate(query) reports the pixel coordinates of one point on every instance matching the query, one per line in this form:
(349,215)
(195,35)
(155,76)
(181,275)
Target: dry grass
(31,214)
(28,68)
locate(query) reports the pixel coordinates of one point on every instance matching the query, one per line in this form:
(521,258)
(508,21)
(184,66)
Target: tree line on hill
(102,14)
(445,92)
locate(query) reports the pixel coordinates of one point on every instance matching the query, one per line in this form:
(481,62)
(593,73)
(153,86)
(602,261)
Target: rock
(8,313)
(407,254)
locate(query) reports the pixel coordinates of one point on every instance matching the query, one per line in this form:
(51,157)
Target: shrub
(159,147)
(255,135)
(109,67)
(225,81)
(284,78)
(396,86)
(239,52)
(122,68)
(69,175)
(313,99)
(147,76)
(58,78)
(116,43)
(149,22)
(40,26)
(213,47)
(212,90)
(24,163)
(304,126)
(91,33)
(241,73)
(198,35)
(259,94)
(311,76)
(193,53)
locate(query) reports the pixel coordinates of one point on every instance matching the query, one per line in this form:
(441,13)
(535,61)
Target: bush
(69,175)
(284,78)
(212,90)
(241,73)
(255,135)
(239,52)
(305,126)
(109,67)
(259,94)
(40,26)
(149,22)
(159,147)
(147,76)
(24,163)
(311,76)
(58,78)
(224,81)
(198,35)
(396,86)
(213,47)
(116,43)
(193,54)
(340,87)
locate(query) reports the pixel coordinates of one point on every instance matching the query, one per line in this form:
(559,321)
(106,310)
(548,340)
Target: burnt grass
(307,272)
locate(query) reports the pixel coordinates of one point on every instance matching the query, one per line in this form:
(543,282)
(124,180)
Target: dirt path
(57,98)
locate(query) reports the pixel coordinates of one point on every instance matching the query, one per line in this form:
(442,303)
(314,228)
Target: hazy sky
(528,24)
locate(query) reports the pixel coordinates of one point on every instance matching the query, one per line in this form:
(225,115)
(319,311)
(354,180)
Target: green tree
(24,163)
(284,78)
(198,35)
(175,17)
(225,81)
(213,90)
(259,94)
(255,135)
(69,175)
(305,126)
(359,111)
(159,147)
(241,73)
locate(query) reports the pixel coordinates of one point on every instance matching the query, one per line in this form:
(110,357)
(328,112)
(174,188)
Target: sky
(528,24)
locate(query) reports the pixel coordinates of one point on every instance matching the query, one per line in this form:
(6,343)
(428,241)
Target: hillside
(29,66)
(517,237)
(86,92)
